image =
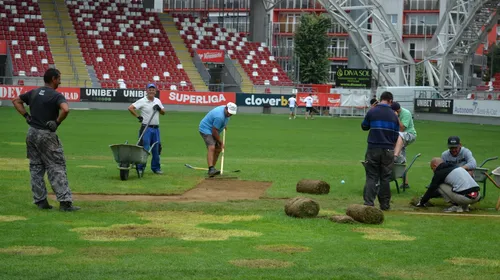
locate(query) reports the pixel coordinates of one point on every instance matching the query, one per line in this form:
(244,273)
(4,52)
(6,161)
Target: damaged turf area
(374,233)
(209,190)
(169,224)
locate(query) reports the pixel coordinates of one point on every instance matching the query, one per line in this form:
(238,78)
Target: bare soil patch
(30,250)
(170,224)
(261,263)
(284,248)
(209,190)
(383,234)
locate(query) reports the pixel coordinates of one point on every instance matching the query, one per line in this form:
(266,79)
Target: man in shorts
(407,135)
(309,106)
(292,103)
(210,128)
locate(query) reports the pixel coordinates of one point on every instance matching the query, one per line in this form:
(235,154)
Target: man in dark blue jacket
(383,125)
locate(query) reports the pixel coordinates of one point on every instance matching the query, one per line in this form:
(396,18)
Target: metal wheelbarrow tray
(129,156)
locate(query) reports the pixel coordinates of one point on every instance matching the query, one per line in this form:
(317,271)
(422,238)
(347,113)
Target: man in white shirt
(292,103)
(309,106)
(148,105)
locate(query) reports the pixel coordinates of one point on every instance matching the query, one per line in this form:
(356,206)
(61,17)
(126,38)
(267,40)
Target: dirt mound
(207,191)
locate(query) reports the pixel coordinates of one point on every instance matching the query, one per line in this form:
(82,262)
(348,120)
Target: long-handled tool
(223,148)
(144,130)
(206,169)
(496,185)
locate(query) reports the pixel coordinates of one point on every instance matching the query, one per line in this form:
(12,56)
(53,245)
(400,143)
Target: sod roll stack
(365,214)
(313,186)
(301,207)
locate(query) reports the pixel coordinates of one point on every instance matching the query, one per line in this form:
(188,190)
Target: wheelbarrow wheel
(124,174)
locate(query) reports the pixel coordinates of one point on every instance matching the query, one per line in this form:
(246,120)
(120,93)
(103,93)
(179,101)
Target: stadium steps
(182,52)
(81,70)
(246,83)
(63,59)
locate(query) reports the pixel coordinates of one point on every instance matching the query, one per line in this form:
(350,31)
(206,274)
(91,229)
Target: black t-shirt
(44,105)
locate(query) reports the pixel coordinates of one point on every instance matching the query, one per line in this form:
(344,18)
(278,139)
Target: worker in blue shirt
(210,128)
(383,125)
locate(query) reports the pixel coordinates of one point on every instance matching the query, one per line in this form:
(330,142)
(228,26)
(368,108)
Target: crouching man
(454,184)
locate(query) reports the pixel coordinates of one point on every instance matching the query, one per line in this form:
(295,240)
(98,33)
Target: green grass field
(249,239)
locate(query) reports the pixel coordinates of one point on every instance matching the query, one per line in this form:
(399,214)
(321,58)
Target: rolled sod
(301,207)
(342,219)
(313,186)
(365,214)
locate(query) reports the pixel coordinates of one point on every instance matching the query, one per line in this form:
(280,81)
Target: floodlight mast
(381,33)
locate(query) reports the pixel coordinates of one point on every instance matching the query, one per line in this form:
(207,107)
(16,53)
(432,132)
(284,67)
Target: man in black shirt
(48,109)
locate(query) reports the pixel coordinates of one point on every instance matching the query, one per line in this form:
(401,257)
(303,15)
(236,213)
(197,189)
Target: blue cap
(151,85)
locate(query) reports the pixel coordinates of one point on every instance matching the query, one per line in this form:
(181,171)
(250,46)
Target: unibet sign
(273,100)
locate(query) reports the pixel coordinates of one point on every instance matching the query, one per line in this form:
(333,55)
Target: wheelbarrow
(399,170)
(128,156)
(480,175)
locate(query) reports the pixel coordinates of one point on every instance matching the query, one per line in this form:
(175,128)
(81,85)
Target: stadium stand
(21,25)
(124,42)
(255,58)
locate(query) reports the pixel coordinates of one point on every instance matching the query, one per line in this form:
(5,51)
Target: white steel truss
(367,37)
(461,29)
(270,4)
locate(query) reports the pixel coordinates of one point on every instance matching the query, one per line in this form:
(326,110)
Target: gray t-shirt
(460,180)
(44,105)
(464,157)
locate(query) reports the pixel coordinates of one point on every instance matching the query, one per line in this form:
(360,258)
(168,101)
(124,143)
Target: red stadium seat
(203,35)
(125,36)
(25,32)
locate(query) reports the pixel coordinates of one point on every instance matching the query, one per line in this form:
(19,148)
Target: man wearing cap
(458,155)
(407,132)
(210,128)
(373,102)
(407,135)
(148,105)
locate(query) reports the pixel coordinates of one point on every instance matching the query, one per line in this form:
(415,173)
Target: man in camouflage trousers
(48,109)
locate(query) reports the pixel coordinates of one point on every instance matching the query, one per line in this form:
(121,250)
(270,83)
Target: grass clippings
(283,248)
(342,219)
(11,218)
(383,234)
(323,212)
(261,263)
(30,250)
(474,262)
(14,164)
(170,224)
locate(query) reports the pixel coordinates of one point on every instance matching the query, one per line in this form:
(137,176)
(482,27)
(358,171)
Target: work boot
(212,172)
(67,206)
(43,204)
(454,208)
